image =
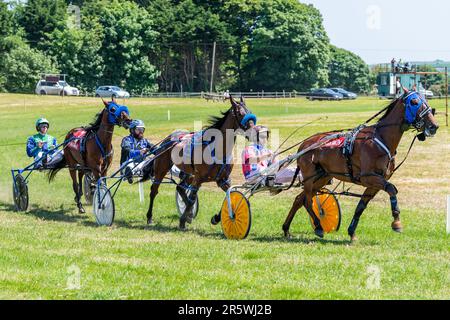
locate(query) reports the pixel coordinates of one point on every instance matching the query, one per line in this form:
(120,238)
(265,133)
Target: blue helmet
(136,124)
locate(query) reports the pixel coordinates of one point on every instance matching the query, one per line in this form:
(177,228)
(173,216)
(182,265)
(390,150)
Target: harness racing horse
(95,153)
(371,163)
(216,143)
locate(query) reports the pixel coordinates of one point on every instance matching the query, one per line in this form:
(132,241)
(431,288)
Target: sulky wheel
(181,204)
(103,204)
(87,191)
(326,208)
(237,226)
(20,193)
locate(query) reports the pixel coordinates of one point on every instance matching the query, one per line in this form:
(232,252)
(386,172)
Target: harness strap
(383,146)
(407,154)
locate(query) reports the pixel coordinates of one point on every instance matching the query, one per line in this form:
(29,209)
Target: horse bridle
(236,116)
(419,121)
(117,120)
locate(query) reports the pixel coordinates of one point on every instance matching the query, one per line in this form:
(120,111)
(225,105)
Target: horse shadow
(61,214)
(307,239)
(171,227)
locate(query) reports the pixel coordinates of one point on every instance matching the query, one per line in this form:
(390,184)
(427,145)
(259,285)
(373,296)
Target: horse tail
(61,164)
(297,171)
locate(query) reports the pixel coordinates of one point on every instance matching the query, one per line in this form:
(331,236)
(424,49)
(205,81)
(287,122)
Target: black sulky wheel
(103,204)
(88,178)
(20,193)
(181,205)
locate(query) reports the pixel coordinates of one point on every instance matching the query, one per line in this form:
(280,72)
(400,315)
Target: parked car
(324,94)
(426,93)
(61,87)
(347,94)
(111,91)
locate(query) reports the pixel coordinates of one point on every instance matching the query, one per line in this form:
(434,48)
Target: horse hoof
(215,220)
(287,236)
(319,233)
(353,239)
(81,211)
(397,226)
(182,227)
(149,222)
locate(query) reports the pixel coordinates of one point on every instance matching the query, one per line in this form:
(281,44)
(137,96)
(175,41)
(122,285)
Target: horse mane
(390,108)
(95,124)
(216,122)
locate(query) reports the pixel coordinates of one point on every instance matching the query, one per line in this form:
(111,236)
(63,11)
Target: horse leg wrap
(391,189)
(358,212)
(394,207)
(353,226)
(192,198)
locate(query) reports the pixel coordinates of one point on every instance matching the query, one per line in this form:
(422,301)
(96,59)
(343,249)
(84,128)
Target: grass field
(52,252)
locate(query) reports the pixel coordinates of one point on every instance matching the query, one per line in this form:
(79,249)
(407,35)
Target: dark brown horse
(371,163)
(98,151)
(194,166)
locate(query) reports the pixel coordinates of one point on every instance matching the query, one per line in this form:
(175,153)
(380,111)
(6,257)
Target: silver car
(44,87)
(111,91)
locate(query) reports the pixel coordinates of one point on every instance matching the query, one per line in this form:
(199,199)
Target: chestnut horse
(371,164)
(198,171)
(98,151)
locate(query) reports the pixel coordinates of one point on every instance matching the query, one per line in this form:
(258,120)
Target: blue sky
(379,30)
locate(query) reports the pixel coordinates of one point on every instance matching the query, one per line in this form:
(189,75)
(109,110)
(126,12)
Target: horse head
(419,114)
(117,114)
(243,116)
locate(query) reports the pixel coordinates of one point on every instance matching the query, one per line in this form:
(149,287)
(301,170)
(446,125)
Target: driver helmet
(137,124)
(40,122)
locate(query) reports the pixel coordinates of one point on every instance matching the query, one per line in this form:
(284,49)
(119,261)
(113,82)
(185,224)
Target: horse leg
(311,188)
(160,169)
(380,183)
(224,185)
(188,214)
(80,189)
(368,195)
(73,175)
(298,203)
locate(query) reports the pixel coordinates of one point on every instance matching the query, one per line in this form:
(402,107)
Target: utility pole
(446,96)
(212,68)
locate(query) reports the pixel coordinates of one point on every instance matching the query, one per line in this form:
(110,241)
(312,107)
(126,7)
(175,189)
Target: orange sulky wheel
(238,227)
(326,208)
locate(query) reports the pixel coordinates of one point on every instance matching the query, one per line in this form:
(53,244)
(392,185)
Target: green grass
(38,249)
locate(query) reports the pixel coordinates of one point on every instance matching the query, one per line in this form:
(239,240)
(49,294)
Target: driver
(257,157)
(134,147)
(41,146)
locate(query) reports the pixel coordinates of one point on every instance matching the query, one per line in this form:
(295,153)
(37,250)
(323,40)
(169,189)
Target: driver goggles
(139,130)
(43,125)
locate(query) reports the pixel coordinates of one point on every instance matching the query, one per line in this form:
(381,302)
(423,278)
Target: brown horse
(194,170)
(371,163)
(98,151)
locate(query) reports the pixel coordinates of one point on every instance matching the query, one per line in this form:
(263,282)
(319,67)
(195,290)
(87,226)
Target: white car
(426,93)
(111,91)
(44,87)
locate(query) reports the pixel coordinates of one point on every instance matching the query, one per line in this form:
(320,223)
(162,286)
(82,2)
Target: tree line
(167,45)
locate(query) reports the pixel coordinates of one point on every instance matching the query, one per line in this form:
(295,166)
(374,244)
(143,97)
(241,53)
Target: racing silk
(250,169)
(33,144)
(131,148)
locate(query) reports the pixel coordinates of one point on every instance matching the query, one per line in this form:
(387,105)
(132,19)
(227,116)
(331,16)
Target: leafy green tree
(128,37)
(187,30)
(21,66)
(39,18)
(349,71)
(289,48)
(5,24)
(78,52)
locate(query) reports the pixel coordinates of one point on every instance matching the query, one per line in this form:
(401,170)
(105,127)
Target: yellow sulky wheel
(326,208)
(238,227)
